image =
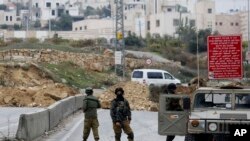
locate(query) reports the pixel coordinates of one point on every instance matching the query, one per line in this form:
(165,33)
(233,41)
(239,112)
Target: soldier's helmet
(172,87)
(119,91)
(89,91)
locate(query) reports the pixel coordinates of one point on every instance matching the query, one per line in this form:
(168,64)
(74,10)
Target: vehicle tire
(190,137)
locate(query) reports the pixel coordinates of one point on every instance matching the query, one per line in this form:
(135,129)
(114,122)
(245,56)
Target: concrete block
(68,106)
(79,101)
(55,114)
(33,125)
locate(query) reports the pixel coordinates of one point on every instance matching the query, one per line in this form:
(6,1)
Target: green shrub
(82,43)
(33,40)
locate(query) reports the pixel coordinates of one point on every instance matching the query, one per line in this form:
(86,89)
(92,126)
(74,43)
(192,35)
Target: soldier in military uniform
(174,105)
(121,115)
(90,105)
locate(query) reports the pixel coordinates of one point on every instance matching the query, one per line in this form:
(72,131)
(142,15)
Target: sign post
(225,57)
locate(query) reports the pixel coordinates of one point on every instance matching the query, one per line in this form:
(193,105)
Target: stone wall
(87,61)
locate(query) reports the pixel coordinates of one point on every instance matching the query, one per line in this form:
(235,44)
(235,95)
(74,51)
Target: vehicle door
(155,78)
(168,78)
(172,120)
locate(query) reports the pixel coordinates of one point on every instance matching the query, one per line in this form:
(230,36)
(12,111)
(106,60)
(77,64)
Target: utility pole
(120,43)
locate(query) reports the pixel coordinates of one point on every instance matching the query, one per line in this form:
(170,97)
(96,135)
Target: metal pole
(197,50)
(248,25)
(49,21)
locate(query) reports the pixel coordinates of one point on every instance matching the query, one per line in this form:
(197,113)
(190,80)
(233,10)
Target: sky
(226,5)
(222,6)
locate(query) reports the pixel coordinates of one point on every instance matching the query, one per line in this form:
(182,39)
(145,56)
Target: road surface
(9,118)
(144,125)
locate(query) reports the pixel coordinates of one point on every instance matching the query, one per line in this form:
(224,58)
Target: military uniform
(90,105)
(121,117)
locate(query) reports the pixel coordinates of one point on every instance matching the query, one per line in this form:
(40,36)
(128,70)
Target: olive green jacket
(90,105)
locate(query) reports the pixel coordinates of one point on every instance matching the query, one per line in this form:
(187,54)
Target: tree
(17,27)
(133,40)
(4,26)
(89,11)
(64,23)
(37,24)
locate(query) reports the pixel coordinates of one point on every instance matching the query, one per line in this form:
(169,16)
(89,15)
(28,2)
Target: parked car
(153,77)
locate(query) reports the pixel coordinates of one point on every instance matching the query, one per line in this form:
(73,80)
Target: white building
(228,24)
(205,14)
(44,10)
(95,3)
(165,16)
(96,28)
(244,20)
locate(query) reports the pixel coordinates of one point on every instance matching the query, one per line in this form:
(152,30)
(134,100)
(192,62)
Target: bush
(4,26)
(33,40)
(82,43)
(3,44)
(16,40)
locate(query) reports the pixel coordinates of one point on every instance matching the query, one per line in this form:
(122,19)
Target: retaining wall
(33,125)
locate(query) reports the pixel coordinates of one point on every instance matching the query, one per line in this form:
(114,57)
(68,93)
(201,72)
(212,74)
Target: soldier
(173,106)
(121,115)
(90,105)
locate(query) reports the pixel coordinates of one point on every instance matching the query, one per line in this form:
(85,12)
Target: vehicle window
(213,100)
(168,76)
(242,101)
(174,104)
(155,75)
(137,74)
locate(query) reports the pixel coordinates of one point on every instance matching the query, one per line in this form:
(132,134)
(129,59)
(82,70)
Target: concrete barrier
(68,106)
(33,125)
(79,101)
(55,114)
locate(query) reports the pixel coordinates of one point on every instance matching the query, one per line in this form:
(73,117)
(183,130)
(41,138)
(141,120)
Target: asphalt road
(9,118)
(144,125)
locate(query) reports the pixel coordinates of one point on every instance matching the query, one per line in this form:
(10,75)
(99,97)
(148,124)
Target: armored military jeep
(211,114)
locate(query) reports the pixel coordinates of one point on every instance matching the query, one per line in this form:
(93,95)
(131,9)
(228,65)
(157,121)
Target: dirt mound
(26,85)
(137,95)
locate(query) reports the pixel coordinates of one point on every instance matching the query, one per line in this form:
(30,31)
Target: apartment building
(227,24)
(9,17)
(95,3)
(244,22)
(205,14)
(45,10)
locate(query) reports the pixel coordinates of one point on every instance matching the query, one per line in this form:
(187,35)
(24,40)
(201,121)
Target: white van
(153,77)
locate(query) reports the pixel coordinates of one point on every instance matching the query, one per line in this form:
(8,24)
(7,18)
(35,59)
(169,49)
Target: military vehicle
(209,114)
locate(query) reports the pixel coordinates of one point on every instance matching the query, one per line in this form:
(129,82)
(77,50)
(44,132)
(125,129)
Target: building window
(37,15)
(57,4)
(36,5)
(67,11)
(232,24)
(169,9)
(48,4)
(125,17)
(10,18)
(236,24)
(53,12)
(192,23)
(209,10)
(221,23)
(176,22)
(148,25)
(76,29)
(80,28)
(85,27)
(157,23)
(7,18)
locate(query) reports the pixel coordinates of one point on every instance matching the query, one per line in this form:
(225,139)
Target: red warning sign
(224,57)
